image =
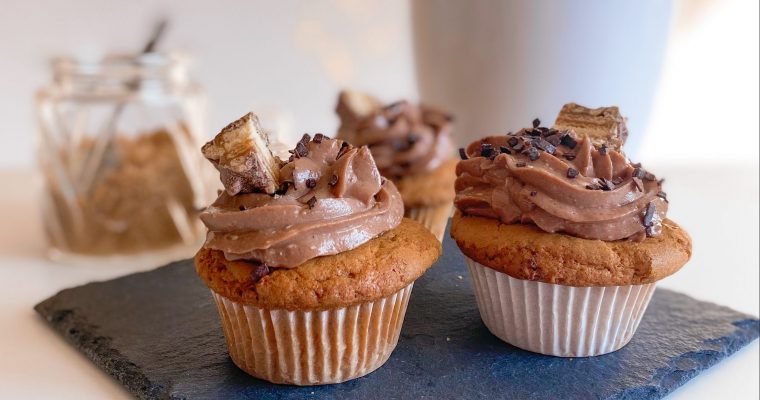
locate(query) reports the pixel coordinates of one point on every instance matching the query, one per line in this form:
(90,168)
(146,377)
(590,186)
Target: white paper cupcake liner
(434,218)
(558,320)
(313,347)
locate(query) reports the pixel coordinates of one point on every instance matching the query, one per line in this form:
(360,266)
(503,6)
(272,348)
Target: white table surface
(717,205)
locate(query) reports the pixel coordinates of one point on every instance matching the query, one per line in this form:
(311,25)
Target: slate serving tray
(158,334)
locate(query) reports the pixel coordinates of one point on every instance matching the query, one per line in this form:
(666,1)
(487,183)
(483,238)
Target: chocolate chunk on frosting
(332,199)
(597,193)
(405,139)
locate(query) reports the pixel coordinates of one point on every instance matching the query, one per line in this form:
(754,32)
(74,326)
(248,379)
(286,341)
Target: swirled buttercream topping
(560,182)
(404,139)
(332,199)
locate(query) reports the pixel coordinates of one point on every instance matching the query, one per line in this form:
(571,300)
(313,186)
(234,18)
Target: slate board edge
(747,331)
(105,357)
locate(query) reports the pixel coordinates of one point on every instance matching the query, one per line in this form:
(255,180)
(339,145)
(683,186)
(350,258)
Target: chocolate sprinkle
(654,230)
(301,150)
(639,184)
(312,202)
(568,141)
(534,132)
(572,173)
(306,138)
(505,149)
(606,184)
(513,141)
(486,150)
(344,147)
(259,272)
(555,139)
(649,214)
(311,183)
(533,193)
(333,180)
(536,123)
(462,154)
(533,154)
(318,138)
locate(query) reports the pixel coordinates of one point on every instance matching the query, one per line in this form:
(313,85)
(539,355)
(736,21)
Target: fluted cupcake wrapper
(434,218)
(558,320)
(313,347)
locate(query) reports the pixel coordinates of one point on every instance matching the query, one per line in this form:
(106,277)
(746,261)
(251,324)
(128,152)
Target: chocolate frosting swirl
(333,199)
(404,139)
(561,183)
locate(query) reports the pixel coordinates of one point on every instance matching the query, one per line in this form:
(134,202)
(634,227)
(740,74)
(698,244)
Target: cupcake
(563,236)
(310,261)
(411,146)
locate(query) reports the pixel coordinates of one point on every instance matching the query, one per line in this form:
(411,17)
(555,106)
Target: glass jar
(119,149)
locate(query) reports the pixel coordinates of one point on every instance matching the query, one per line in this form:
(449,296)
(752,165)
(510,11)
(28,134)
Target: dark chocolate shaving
(654,230)
(572,173)
(318,138)
(638,172)
(259,272)
(555,140)
(333,180)
(300,150)
(344,147)
(486,150)
(569,141)
(638,183)
(533,193)
(311,183)
(462,154)
(312,202)
(606,184)
(649,214)
(663,196)
(603,150)
(513,141)
(533,154)
(569,156)
(536,123)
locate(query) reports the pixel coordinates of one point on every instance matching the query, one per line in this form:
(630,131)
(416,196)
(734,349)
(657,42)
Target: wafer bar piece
(353,105)
(602,125)
(241,154)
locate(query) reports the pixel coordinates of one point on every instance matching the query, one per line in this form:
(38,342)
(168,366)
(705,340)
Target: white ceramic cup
(498,64)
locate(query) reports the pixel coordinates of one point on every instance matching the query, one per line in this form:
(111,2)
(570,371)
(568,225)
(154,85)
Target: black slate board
(158,334)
